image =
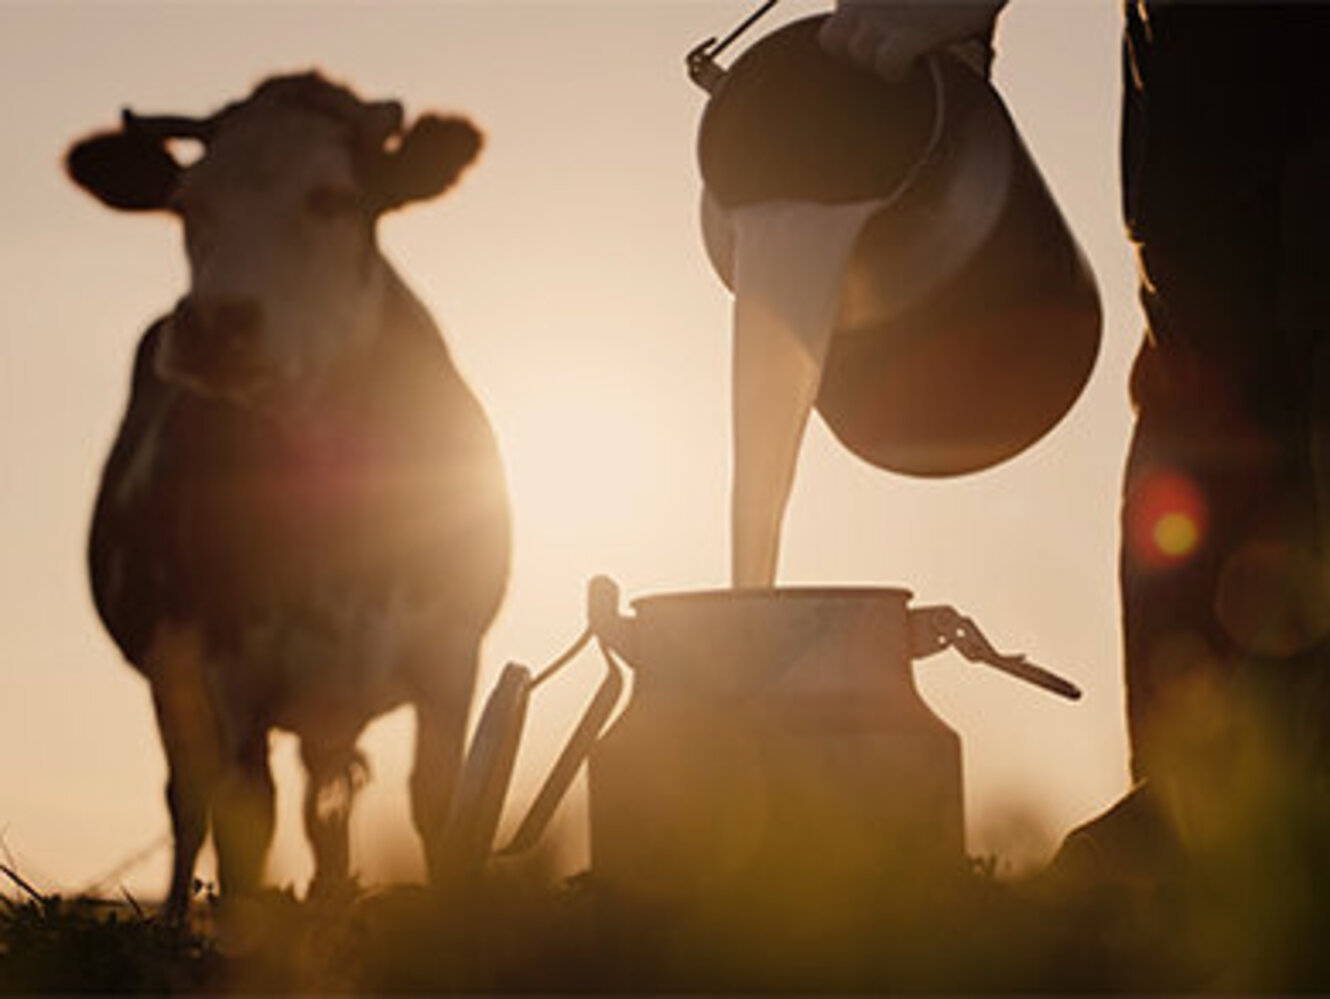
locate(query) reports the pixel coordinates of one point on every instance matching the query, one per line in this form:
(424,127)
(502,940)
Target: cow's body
(302,538)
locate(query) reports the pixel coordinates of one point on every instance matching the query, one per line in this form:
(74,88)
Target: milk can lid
(487,772)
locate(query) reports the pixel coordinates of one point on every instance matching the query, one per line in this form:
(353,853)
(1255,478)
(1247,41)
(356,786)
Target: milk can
(771,734)
(968,320)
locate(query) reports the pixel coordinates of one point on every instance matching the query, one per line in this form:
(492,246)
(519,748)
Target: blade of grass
(13,876)
(134,903)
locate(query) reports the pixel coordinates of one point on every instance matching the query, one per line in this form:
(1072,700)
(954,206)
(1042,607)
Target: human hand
(887,36)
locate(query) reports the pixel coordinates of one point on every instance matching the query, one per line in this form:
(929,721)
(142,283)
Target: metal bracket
(701,59)
(933,629)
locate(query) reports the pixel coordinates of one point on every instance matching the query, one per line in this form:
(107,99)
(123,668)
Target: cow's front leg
(188,727)
(187,802)
(244,816)
(442,703)
(335,772)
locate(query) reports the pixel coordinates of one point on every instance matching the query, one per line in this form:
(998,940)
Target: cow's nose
(233,321)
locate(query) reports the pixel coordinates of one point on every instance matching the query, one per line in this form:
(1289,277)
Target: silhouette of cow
(302,523)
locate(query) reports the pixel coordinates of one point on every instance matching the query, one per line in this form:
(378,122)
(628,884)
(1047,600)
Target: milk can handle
(577,749)
(933,629)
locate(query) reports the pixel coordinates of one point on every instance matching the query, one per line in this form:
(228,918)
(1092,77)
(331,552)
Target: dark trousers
(1226,507)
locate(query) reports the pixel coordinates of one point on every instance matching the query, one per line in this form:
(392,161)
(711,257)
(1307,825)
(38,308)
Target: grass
(54,945)
(511,935)
(515,933)
(1245,912)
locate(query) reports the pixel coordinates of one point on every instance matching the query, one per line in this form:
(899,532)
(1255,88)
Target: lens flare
(1166,520)
(1176,534)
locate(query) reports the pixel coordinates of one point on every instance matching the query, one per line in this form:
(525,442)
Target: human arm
(889,35)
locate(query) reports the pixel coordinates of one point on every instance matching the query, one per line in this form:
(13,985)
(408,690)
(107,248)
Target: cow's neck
(374,392)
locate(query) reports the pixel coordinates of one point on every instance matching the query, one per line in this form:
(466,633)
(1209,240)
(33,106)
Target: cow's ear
(428,161)
(124,170)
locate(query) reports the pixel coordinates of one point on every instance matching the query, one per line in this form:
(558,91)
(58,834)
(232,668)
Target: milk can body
(773,736)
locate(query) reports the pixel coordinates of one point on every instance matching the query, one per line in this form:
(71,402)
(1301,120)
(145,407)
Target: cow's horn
(168,126)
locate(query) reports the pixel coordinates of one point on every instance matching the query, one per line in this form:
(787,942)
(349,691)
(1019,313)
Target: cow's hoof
(333,891)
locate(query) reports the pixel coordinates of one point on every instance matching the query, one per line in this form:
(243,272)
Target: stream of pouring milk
(789,261)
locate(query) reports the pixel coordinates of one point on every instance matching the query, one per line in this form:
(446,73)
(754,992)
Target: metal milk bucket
(770,733)
(968,320)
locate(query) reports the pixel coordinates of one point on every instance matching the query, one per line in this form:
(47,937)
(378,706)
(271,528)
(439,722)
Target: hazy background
(568,274)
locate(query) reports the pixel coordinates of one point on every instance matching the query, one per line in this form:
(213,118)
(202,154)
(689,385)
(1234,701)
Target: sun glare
(594,476)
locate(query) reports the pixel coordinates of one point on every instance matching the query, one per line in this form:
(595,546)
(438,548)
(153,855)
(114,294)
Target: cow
(302,523)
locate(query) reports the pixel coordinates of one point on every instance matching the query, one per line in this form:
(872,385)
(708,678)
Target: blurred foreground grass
(517,932)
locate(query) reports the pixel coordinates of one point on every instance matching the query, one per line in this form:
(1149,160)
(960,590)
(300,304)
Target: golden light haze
(568,273)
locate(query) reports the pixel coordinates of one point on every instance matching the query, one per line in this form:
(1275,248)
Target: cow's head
(286,281)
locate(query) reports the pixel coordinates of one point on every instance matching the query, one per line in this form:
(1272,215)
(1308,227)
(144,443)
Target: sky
(568,274)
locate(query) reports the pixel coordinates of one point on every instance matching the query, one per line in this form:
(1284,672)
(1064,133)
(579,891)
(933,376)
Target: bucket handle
(602,626)
(701,59)
(467,839)
(575,751)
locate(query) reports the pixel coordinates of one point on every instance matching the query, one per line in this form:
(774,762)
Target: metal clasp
(933,629)
(701,59)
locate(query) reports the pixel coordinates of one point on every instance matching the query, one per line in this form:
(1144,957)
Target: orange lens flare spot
(1176,535)
(1167,520)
